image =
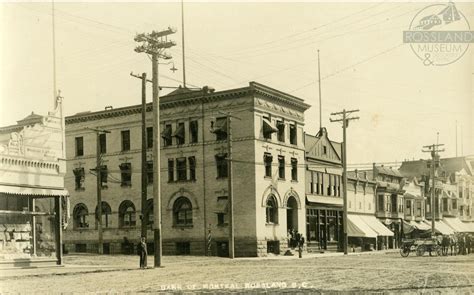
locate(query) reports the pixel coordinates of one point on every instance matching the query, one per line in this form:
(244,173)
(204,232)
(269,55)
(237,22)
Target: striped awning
(32,191)
(356,227)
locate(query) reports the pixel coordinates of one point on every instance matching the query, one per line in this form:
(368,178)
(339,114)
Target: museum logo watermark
(439,34)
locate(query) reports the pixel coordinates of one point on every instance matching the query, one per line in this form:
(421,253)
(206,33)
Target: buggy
(420,246)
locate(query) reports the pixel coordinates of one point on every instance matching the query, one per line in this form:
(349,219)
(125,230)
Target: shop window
(192,168)
(80,215)
(181,169)
(267,159)
(125,140)
(272,210)
(79,146)
(221,164)
(127,214)
(183,213)
(126,174)
(193,131)
(149,137)
(79,177)
(281,167)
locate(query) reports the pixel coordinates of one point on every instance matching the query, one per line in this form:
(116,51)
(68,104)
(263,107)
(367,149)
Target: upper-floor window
(126,174)
(181,168)
(80,215)
(221,164)
(445,205)
(79,177)
(455,204)
(281,131)
(79,146)
(325,150)
(103,143)
(149,172)
(419,208)
(125,140)
(408,206)
(268,128)
(180,133)
(294,169)
(381,203)
(170,170)
(220,128)
(104,175)
(193,131)
(293,134)
(192,168)
(267,160)
(149,137)
(166,135)
(281,167)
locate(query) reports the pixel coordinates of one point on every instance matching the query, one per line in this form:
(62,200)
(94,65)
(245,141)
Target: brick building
(268,172)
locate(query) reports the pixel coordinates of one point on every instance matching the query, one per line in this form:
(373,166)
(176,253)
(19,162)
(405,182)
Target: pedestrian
(142,252)
(468,244)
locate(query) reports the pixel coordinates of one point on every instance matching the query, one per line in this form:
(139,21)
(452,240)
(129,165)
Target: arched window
(272,210)
(106,212)
(149,217)
(127,214)
(80,214)
(183,212)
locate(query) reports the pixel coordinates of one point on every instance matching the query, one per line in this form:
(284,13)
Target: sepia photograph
(210,147)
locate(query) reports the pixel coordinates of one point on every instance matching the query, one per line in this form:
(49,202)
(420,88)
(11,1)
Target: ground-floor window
(273,247)
(81,248)
(324,226)
(183,248)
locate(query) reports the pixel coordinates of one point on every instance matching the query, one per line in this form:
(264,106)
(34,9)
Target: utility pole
(182,41)
(230,186)
(320,99)
(435,161)
(98,170)
(154,44)
(345,123)
(144,147)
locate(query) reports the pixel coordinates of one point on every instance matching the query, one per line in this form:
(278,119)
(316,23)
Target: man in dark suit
(142,252)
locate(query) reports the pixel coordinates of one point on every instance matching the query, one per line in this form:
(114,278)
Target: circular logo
(439,34)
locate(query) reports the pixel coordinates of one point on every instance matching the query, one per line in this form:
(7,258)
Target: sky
(365,65)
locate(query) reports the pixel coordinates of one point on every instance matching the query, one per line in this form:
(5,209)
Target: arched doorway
(292,214)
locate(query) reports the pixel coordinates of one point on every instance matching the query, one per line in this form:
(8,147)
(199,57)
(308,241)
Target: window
(393,201)
(183,248)
(79,146)
(103,143)
(455,204)
(79,177)
(167,135)
(281,131)
(149,172)
(180,133)
(181,169)
(127,214)
(267,159)
(106,212)
(294,169)
(104,175)
(125,140)
(271,210)
(281,167)
(193,131)
(325,150)
(221,163)
(268,128)
(381,203)
(170,170)
(126,174)
(220,128)
(149,137)
(221,220)
(221,210)
(293,136)
(192,168)
(80,214)
(183,214)
(408,206)
(445,205)
(418,209)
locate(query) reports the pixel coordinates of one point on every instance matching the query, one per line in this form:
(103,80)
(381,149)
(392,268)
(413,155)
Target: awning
(166,132)
(220,125)
(376,225)
(356,227)
(222,205)
(408,227)
(32,191)
(179,132)
(469,226)
(456,224)
(441,227)
(268,127)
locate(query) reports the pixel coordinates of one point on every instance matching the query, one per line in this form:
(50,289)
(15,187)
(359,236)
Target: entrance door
(292,215)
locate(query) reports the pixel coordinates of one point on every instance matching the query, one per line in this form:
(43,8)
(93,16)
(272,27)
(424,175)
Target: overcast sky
(364,65)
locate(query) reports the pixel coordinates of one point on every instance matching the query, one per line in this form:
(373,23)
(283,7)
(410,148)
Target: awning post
(58,229)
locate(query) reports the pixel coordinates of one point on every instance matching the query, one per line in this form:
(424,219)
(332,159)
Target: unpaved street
(370,273)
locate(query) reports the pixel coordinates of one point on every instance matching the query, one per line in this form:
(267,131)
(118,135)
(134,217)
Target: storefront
(33,202)
(324,227)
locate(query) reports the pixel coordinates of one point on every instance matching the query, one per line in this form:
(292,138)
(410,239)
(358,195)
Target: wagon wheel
(420,250)
(439,250)
(405,251)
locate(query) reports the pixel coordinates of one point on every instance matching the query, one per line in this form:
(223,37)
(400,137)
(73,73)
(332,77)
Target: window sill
(221,177)
(80,189)
(182,181)
(223,225)
(268,177)
(294,181)
(281,179)
(271,224)
(126,185)
(182,226)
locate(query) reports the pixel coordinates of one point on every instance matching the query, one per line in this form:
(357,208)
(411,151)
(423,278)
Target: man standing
(142,252)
